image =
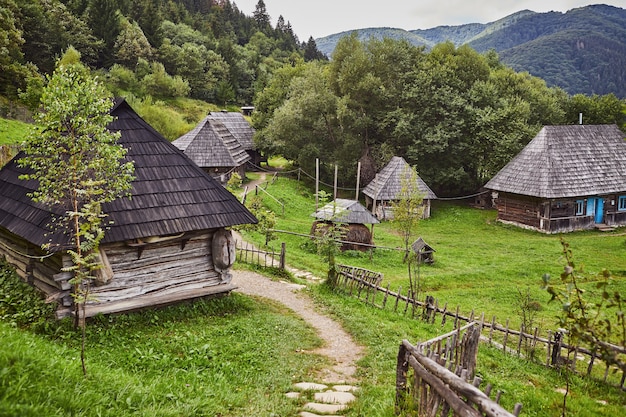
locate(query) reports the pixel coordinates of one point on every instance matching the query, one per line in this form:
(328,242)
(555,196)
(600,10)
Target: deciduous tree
(78,166)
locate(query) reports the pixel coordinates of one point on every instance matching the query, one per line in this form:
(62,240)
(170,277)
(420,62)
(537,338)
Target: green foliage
(78,166)
(266,219)
(22,305)
(590,319)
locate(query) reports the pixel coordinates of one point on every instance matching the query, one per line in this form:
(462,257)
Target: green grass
(522,381)
(13,132)
(232,356)
(237,356)
(480,264)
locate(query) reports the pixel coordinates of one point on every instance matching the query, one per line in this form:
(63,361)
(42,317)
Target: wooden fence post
(283,251)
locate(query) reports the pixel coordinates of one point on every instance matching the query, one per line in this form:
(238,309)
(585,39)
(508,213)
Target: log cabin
(167,243)
(387,187)
(567,178)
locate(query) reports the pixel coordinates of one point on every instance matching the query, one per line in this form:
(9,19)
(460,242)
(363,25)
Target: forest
(456,114)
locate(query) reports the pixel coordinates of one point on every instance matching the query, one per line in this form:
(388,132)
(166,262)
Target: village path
(338,346)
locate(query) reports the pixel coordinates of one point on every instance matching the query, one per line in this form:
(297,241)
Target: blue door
(599,210)
(591,207)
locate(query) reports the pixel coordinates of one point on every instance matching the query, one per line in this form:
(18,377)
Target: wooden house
(353,216)
(215,149)
(239,127)
(567,178)
(387,187)
(165,244)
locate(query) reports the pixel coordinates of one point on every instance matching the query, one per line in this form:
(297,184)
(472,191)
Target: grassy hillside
(12,131)
(480,264)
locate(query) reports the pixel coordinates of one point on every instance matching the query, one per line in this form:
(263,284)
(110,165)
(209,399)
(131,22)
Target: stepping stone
(292,395)
(310,386)
(307,414)
(324,408)
(345,388)
(334,397)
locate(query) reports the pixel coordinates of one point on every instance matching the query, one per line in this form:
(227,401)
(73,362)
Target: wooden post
(282,255)
(386,295)
(335,184)
(395,307)
(358,180)
(506,336)
(317,183)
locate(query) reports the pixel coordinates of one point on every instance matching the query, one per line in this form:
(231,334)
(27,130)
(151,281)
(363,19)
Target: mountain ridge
(582,50)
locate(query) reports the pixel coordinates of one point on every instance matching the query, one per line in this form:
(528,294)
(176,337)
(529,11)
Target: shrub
(22,305)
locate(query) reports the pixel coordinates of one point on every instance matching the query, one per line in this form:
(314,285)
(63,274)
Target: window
(621,205)
(580,207)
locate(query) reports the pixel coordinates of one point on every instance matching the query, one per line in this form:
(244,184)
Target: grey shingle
(170,194)
(567,161)
(345,211)
(211,145)
(387,185)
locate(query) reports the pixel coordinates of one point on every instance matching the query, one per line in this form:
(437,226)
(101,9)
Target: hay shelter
(352,216)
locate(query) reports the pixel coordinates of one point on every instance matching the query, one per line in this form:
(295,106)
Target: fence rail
(248,253)
(523,343)
(442,369)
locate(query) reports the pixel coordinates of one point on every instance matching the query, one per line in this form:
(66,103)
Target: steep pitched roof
(211,145)
(567,161)
(387,184)
(345,211)
(237,125)
(170,194)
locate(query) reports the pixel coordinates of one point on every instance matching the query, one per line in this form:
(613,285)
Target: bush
(22,305)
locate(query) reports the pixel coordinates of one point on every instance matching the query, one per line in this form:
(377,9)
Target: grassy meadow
(480,264)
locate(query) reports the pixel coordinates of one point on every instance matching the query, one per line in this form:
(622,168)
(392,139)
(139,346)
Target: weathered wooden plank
(156,299)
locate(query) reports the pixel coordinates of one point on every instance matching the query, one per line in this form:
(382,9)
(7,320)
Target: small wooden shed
(167,243)
(425,253)
(215,149)
(352,214)
(387,186)
(567,178)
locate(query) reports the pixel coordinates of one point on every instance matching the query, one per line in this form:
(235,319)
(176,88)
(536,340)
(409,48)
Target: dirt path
(339,345)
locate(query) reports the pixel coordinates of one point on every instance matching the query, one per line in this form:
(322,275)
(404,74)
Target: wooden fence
(268,259)
(439,383)
(523,343)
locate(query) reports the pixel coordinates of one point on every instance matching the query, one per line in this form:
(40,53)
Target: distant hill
(581,51)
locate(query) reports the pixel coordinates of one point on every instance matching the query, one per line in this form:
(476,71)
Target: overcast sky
(319,18)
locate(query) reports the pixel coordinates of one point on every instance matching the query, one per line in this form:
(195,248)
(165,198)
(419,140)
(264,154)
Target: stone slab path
(332,394)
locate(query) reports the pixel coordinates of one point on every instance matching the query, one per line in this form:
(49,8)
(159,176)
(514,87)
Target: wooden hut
(215,149)
(165,244)
(567,178)
(387,187)
(351,214)
(239,127)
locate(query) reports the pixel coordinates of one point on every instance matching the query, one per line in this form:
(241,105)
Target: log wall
(143,274)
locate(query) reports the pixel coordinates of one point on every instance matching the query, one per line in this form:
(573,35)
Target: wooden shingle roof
(237,125)
(387,184)
(567,161)
(345,211)
(211,145)
(170,194)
